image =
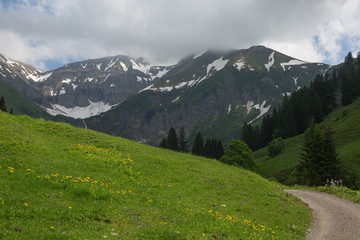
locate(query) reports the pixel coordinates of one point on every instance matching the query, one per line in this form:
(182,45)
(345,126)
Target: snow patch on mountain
(62,91)
(229,109)
(89,79)
(291,63)
(94,108)
(181,85)
(111,64)
(67,81)
(295,80)
(218,64)
(99,66)
(83,66)
(124,67)
(147,88)
(271,61)
(262,108)
(198,55)
(176,99)
(140,67)
(239,64)
(74,86)
(107,77)
(38,78)
(160,73)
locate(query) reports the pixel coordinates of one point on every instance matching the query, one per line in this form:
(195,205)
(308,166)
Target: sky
(50,33)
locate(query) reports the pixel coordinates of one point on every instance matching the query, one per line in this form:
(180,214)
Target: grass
(345,122)
(60,182)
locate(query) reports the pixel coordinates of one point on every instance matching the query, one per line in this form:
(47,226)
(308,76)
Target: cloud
(163,31)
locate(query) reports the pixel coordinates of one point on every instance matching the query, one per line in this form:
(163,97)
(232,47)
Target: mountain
(213,92)
(20,104)
(81,89)
(20,77)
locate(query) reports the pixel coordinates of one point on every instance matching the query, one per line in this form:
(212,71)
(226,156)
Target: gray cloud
(163,30)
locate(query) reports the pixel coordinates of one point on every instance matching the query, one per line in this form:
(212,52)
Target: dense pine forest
(339,86)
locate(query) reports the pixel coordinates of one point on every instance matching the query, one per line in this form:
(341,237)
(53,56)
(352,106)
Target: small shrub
(275,147)
(238,153)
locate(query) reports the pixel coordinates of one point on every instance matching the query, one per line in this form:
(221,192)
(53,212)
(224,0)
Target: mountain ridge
(202,92)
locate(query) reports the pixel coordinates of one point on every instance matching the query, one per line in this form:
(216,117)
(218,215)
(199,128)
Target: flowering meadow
(61,182)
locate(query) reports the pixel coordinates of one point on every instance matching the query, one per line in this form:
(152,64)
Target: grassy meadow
(61,182)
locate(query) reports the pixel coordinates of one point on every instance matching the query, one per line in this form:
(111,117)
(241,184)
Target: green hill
(345,121)
(61,182)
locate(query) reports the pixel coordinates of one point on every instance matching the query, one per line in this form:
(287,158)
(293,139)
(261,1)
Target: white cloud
(164,31)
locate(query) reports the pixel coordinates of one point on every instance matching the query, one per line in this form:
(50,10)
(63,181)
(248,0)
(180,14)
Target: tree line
(211,148)
(293,117)
(237,153)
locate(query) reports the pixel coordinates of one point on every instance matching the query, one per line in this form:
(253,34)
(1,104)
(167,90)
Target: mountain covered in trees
(339,85)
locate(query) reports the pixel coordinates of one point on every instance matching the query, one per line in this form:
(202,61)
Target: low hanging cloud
(163,31)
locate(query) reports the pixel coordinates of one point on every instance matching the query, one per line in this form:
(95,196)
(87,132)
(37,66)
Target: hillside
(20,104)
(62,182)
(346,124)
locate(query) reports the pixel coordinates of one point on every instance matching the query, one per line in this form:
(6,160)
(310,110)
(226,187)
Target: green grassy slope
(345,121)
(20,104)
(61,182)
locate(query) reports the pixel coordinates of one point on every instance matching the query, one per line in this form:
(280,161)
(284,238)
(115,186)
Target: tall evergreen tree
(182,141)
(287,120)
(198,147)
(2,104)
(333,165)
(319,160)
(172,140)
(219,150)
(310,170)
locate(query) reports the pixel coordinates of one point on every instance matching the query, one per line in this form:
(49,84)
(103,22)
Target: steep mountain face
(20,77)
(214,93)
(91,87)
(82,89)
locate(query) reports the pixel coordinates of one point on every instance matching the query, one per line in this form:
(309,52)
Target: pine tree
(348,87)
(333,165)
(2,104)
(182,141)
(219,150)
(288,126)
(172,140)
(310,170)
(198,147)
(319,160)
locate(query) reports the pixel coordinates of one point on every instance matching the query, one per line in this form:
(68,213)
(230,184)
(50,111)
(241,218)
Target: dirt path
(334,218)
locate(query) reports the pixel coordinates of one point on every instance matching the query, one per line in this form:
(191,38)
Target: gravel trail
(334,218)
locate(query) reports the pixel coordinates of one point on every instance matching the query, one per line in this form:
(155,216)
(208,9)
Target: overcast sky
(50,33)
